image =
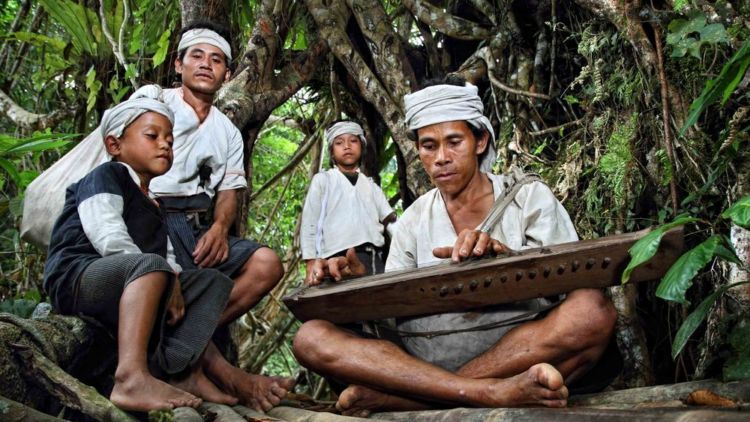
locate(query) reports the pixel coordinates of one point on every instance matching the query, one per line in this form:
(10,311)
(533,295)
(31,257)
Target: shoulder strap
(517,180)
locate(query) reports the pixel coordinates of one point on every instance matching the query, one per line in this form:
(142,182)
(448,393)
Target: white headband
(447,103)
(343,128)
(205,36)
(118,118)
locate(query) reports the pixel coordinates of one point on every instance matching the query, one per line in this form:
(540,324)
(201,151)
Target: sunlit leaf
(739,212)
(646,247)
(680,275)
(163,47)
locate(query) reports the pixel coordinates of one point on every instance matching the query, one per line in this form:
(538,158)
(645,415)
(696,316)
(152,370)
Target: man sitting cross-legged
(518,364)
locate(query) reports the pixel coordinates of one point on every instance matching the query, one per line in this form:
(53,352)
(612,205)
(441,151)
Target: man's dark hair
(449,79)
(219,29)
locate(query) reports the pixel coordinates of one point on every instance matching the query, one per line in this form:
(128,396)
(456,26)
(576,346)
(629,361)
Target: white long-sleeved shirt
(534,218)
(352,215)
(215,143)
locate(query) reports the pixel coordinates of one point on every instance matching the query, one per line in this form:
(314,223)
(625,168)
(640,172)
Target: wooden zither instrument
(528,274)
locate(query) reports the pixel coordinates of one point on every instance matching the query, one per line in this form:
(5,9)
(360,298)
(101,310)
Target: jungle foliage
(635,113)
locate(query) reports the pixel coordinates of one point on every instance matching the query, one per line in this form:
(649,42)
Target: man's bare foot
(359,401)
(540,385)
(197,383)
(255,391)
(139,391)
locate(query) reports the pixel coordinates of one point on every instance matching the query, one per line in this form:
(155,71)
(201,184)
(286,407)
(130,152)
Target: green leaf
(678,28)
(36,146)
(720,87)
(39,40)
(38,142)
(163,44)
(739,212)
(93,86)
(9,167)
(696,23)
(693,321)
(695,49)
(727,253)
(679,5)
(646,247)
(20,307)
(680,275)
(714,34)
(80,22)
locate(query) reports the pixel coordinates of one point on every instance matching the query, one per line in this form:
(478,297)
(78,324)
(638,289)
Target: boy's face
(146,145)
(347,150)
(450,154)
(203,68)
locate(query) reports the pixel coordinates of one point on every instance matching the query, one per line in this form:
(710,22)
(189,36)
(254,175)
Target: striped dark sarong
(184,215)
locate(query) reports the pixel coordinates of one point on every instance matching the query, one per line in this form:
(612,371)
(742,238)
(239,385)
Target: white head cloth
(205,36)
(119,117)
(344,128)
(446,103)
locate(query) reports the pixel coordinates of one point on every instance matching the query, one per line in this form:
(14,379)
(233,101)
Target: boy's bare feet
(139,391)
(198,384)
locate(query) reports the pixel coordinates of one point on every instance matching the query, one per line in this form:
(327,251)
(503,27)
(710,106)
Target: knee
(595,314)
(266,266)
(309,346)
(219,280)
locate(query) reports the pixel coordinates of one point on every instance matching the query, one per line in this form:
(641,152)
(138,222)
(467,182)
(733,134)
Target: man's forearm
(225,210)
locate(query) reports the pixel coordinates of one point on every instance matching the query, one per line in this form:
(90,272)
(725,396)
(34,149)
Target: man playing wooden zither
(518,364)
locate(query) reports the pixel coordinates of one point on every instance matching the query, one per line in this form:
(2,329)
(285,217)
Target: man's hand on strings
(471,243)
(316,271)
(338,268)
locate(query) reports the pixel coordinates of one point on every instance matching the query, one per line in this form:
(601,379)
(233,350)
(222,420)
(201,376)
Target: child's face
(347,150)
(146,145)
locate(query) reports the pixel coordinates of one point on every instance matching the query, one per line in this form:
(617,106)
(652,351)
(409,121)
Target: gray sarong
(172,349)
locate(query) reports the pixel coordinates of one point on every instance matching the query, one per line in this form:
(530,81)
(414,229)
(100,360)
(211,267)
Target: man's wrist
(222,228)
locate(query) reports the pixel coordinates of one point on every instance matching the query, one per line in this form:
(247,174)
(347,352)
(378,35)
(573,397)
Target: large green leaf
(680,275)
(720,87)
(36,143)
(80,22)
(694,320)
(739,212)
(644,249)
